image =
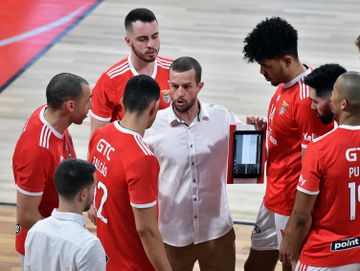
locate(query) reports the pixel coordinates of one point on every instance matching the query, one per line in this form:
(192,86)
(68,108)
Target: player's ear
(83,194)
(127,41)
(70,105)
(199,86)
(287,60)
(344,104)
(154,108)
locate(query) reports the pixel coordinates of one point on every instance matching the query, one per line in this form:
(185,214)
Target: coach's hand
(259,123)
(92,214)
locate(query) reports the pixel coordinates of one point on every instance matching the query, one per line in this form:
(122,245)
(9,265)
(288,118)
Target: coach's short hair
(140,91)
(271,39)
(322,79)
(187,63)
(139,14)
(73,175)
(64,87)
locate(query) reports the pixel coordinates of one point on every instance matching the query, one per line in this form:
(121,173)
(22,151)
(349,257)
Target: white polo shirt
(61,242)
(193,204)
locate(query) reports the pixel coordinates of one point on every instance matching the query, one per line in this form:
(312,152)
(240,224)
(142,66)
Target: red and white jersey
(331,169)
(38,152)
(292,124)
(127,176)
(110,88)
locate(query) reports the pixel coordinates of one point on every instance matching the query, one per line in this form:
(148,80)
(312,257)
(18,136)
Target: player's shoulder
(119,68)
(326,139)
(163,62)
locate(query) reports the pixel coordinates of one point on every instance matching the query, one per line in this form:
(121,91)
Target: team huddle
(154,182)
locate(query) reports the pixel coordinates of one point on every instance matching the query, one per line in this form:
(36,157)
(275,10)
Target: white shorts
(268,230)
(348,267)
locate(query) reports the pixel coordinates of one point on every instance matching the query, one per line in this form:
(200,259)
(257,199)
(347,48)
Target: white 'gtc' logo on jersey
(351,154)
(104,148)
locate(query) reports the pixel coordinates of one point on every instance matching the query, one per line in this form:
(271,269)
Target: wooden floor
(211,31)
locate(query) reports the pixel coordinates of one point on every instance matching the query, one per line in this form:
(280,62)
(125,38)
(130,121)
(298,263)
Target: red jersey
(127,176)
(38,152)
(110,88)
(292,124)
(331,169)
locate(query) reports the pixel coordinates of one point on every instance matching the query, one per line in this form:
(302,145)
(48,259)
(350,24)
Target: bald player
(327,201)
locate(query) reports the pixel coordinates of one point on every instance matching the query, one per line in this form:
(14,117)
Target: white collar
(125,130)
(297,78)
(349,127)
(52,129)
(135,72)
(70,216)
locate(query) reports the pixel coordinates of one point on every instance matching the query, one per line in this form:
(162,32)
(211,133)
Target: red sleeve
(31,170)
(103,97)
(142,177)
(309,123)
(309,181)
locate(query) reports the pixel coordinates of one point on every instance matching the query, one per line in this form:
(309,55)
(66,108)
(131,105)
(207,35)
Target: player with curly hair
(291,125)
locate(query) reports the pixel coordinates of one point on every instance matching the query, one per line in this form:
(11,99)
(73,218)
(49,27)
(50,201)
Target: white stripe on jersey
(45,137)
(22,191)
(145,205)
(142,146)
(163,62)
(119,73)
(117,68)
(304,90)
(308,192)
(163,66)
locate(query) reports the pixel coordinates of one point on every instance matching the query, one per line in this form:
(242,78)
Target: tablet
(247,153)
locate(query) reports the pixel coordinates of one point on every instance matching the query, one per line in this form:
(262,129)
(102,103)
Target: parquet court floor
(211,31)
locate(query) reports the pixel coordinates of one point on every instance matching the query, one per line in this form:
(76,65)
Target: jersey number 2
(102,186)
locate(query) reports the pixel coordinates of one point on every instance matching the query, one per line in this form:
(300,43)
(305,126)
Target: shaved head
(349,89)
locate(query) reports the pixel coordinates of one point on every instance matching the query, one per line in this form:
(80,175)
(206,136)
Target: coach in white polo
(190,141)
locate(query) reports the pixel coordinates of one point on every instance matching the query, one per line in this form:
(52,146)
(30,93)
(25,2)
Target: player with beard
(190,141)
(142,36)
(321,82)
(62,237)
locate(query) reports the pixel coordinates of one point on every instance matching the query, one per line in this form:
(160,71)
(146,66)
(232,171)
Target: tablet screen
(247,154)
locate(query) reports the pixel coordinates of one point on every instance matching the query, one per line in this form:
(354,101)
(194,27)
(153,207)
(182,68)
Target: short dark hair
(139,14)
(63,87)
(73,175)
(140,91)
(270,39)
(187,63)
(323,78)
(357,42)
